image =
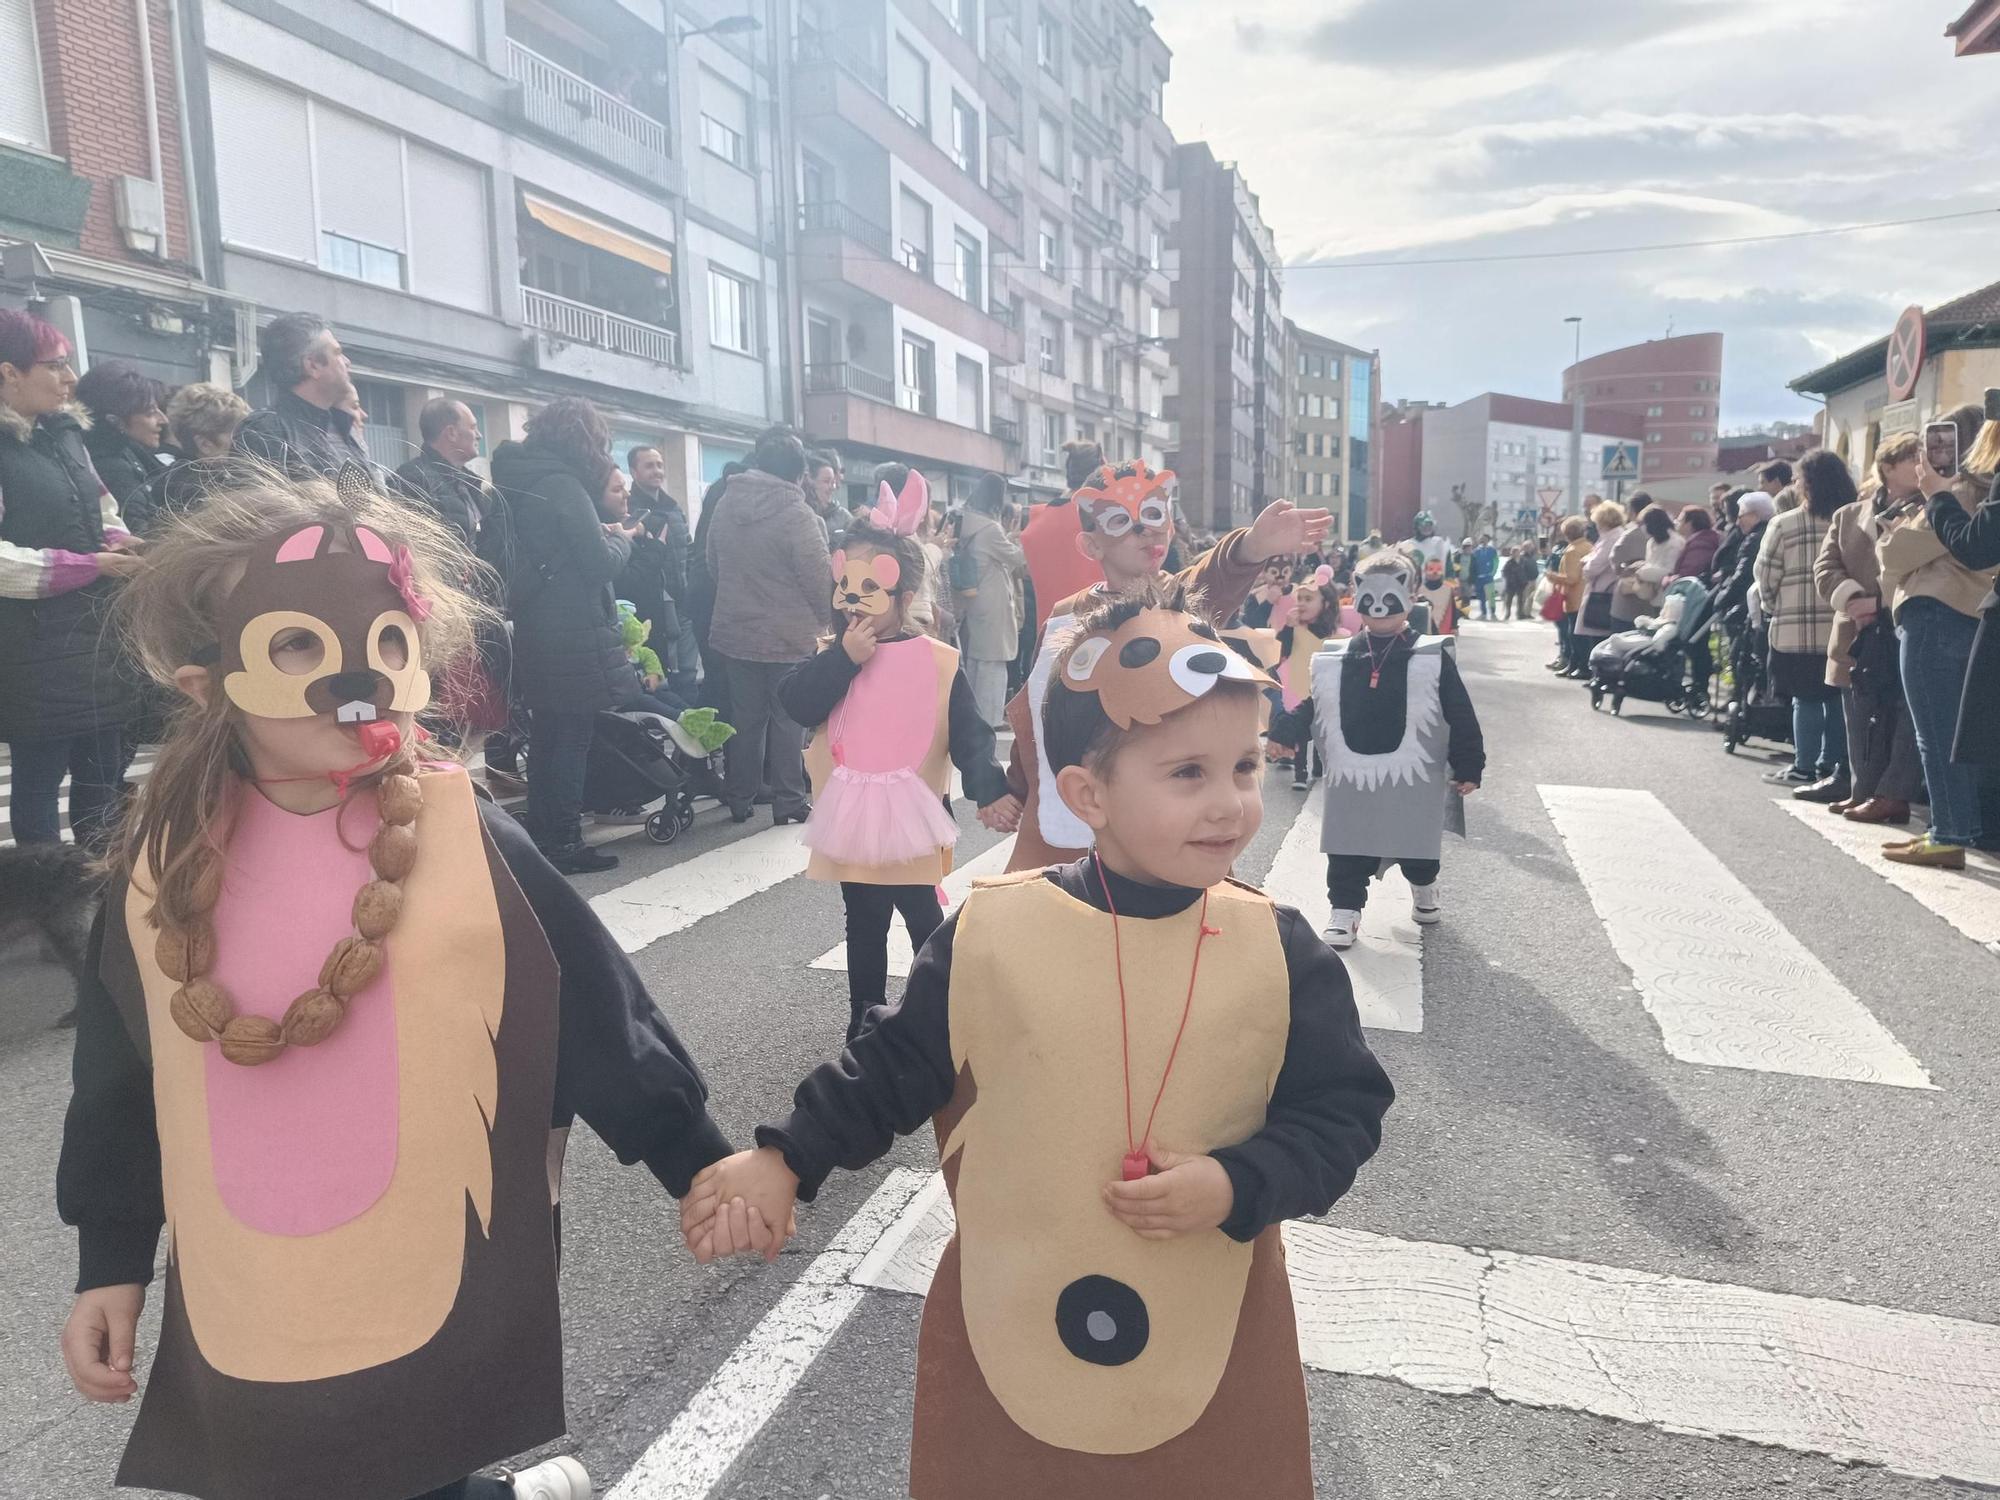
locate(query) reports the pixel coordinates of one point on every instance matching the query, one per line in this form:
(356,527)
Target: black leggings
(1347,877)
(869,911)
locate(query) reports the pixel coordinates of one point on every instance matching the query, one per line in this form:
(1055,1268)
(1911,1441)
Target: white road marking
(957,885)
(1726,982)
(654,906)
(1386,963)
(1969,900)
(1911,1391)
(704,1441)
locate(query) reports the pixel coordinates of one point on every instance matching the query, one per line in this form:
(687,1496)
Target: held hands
(741,1203)
(1862,608)
(1184,1195)
(1282,528)
(1003,816)
(1465,788)
(118,562)
(859,641)
(97,1342)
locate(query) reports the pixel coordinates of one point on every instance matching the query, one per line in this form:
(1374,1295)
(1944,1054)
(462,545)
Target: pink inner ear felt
(301,545)
(887,570)
(373,547)
(839,563)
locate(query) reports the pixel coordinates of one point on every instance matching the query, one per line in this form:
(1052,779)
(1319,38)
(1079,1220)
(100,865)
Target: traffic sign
(1549,495)
(1906,354)
(1621,460)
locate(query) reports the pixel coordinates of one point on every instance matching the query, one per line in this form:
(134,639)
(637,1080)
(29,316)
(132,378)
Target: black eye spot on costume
(1208,663)
(1101,1321)
(1139,653)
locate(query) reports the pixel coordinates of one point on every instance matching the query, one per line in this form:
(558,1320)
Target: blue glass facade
(1360,428)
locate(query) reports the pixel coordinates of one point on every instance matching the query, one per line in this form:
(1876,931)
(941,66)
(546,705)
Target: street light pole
(1576,421)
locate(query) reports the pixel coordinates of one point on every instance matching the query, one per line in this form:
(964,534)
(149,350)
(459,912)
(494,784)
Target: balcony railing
(1090,395)
(1007,429)
(574,108)
(1126,96)
(1100,223)
(1090,307)
(838,218)
(1093,124)
(1129,182)
(826,47)
(1003,314)
(850,380)
(582,324)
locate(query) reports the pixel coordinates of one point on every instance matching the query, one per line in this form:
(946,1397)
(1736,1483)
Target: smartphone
(1941,449)
(1993,403)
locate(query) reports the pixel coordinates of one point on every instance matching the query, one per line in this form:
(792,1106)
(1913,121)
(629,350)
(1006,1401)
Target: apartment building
(1230,391)
(1331,456)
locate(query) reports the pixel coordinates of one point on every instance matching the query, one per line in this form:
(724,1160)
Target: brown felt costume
(1212,1403)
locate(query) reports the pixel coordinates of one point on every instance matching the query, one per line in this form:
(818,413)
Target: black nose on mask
(353,687)
(1101,1321)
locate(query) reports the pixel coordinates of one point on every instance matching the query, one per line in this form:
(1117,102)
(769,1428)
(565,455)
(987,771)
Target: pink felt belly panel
(887,719)
(306,1143)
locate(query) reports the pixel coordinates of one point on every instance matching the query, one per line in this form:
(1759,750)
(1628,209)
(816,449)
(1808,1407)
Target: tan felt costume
(1212,1401)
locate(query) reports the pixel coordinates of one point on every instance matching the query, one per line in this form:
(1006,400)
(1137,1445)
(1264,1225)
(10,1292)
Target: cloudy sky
(1398,129)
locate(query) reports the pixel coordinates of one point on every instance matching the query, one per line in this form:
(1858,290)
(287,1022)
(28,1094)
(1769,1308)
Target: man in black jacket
(658,572)
(303,432)
(439,477)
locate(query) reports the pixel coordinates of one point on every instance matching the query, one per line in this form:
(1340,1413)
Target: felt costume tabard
(1061,1354)
(1433,556)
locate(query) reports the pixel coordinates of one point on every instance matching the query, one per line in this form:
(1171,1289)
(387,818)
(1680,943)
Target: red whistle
(1137,1165)
(380,738)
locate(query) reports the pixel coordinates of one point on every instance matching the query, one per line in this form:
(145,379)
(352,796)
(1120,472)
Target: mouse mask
(865,587)
(1115,501)
(1383,589)
(1153,665)
(352,593)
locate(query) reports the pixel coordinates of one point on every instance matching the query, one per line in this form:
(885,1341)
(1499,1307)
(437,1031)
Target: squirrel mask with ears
(865,587)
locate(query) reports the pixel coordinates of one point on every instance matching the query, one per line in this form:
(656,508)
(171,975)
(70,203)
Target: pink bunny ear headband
(1323,574)
(904,513)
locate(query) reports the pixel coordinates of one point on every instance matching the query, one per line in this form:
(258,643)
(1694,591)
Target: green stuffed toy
(709,732)
(634,632)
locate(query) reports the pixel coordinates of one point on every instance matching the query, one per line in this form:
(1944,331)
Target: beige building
(1331,456)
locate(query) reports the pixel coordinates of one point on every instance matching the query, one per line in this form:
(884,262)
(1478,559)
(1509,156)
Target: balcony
(1008,431)
(838,218)
(1089,307)
(1092,40)
(1126,97)
(578,323)
(1098,222)
(1100,131)
(1096,400)
(846,379)
(841,247)
(1129,182)
(849,404)
(573,109)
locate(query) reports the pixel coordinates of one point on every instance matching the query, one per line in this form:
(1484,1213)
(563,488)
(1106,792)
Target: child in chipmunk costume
(1123,1126)
(333,1007)
(1316,618)
(1127,520)
(890,714)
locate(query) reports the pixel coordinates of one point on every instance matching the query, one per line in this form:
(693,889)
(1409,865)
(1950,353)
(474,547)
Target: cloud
(1449,35)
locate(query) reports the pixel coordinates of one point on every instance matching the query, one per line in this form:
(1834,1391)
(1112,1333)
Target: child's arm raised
(1325,1115)
(618,1063)
(813,689)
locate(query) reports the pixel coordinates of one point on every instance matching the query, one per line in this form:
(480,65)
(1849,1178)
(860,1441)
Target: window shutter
(21,116)
(449,255)
(262,168)
(360,179)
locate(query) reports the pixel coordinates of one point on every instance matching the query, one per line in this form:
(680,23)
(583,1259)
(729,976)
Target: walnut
(394,851)
(377,905)
(250,1040)
(200,1009)
(310,1019)
(351,967)
(185,953)
(400,799)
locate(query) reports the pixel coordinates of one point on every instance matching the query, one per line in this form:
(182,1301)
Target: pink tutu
(878,818)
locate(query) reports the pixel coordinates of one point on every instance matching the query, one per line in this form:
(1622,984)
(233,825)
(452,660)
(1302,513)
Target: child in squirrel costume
(1316,619)
(1399,737)
(1122,1125)
(334,1005)
(1127,520)
(890,714)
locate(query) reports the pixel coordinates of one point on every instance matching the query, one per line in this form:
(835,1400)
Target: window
(1697,411)
(1079,172)
(1051,345)
(730,299)
(1153,256)
(1656,437)
(360,260)
(1333,407)
(817,180)
(967,279)
(1049,146)
(1697,462)
(725,119)
(971,394)
(917,390)
(910,84)
(1048,44)
(965,136)
(1657,386)
(1049,246)
(1333,367)
(964,17)
(914,223)
(22,118)
(1152,320)
(1305,362)
(1656,411)
(1052,438)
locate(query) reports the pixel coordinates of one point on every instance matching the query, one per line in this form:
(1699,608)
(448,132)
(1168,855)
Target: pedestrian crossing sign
(1621,460)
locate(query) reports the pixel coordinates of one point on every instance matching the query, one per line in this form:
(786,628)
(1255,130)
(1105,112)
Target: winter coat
(1600,576)
(1732,594)
(773,577)
(451,491)
(569,655)
(1799,618)
(1568,571)
(305,441)
(122,464)
(1698,555)
(666,523)
(1915,564)
(1641,592)
(1060,571)
(1847,569)
(1974,540)
(989,619)
(59,673)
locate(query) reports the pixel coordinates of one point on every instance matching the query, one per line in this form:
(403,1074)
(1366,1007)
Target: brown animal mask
(1155,664)
(1114,501)
(865,586)
(324,620)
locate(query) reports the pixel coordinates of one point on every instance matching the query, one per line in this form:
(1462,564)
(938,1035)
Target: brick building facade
(1674,386)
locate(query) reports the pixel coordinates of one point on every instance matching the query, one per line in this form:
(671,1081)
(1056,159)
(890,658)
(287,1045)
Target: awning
(587,231)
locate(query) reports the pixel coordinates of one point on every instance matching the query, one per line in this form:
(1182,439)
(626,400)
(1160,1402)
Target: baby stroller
(1650,662)
(637,757)
(1754,711)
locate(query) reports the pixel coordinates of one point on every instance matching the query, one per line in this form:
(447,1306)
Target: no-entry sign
(1906,354)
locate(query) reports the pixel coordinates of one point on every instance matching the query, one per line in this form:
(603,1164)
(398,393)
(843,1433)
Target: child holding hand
(1123,1125)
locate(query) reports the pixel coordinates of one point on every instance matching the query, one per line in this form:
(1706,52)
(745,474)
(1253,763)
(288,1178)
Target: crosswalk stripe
(1968,900)
(1911,1391)
(1726,982)
(1386,963)
(957,886)
(654,906)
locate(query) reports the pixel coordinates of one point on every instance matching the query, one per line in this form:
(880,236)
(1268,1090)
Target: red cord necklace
(1375,663)
(1138,1154)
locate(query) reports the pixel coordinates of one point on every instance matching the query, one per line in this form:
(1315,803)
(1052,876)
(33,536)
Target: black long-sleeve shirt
(1372,731)
(1324,1118)
(1975,539)
(814,689)
(618,1065)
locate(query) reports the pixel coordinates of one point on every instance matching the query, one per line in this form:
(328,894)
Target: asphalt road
(1539,1114)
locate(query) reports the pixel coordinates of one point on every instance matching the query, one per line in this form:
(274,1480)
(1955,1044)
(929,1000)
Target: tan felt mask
(1114,501)
(1155,664)
(865,586)
(325,621)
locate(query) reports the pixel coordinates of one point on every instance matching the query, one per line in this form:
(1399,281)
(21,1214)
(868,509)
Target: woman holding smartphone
(1973,539)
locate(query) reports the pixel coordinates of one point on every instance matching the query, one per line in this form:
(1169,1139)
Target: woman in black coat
(126,428)
(569,659)
(1975,541)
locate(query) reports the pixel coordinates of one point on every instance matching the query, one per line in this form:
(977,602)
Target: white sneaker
(624,817)
(1341,931)
(1424,905)
(556,1479)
